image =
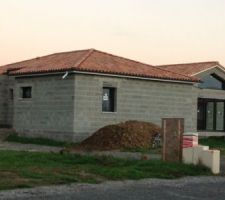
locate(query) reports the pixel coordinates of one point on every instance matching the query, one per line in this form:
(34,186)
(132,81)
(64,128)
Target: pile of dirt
(126,135)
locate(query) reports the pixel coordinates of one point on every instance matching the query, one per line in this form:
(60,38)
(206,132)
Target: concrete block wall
(136,100)
(6,104)
(3,100)
(50,111)
(71,109)
(211,94)
(10,102)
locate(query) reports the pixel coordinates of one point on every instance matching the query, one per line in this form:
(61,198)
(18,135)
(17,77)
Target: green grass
(29,169)
(39,141)
(214,143)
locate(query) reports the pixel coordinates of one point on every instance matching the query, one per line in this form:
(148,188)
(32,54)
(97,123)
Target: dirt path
(41,148)
(27,147)
(4,132)
(222,164)
(119,154)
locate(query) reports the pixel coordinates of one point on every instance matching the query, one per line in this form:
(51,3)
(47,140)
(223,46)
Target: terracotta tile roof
(49,63)
(92,60)
(190,69)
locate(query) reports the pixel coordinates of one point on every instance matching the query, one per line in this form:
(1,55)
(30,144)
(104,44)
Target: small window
(26,92)
(11,95)
(108,99)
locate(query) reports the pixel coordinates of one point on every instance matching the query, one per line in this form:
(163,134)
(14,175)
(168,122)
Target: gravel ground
(32,147)
(27,147)
(194,188)
(119,154)
(222,164)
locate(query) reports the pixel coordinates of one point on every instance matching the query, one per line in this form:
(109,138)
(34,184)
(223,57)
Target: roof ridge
(110,54)
(143,63)
(85,57)
(64,52)
(217,62)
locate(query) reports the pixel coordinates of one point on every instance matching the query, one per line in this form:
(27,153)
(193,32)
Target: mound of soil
(126,135)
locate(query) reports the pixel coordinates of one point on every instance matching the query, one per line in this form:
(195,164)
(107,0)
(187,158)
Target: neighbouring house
(210,95)
(67,96)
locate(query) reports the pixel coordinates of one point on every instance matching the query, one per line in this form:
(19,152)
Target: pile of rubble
(126,135)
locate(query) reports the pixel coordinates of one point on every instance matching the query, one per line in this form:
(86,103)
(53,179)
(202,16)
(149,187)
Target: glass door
(219,116)
(209,116)
(201,115)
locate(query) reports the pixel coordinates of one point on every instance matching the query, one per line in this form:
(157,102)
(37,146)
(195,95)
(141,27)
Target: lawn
(214,143)
(29,169)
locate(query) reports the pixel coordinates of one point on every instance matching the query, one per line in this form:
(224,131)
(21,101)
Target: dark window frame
(218,78)
(204,102)
(26,92)
(11,94)
(111,107)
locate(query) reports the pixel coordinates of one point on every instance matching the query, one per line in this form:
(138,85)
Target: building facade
(49,97)
(210,95)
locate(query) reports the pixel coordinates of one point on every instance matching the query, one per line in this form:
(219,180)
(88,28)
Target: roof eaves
(183,78)
(186,78)
(115,74)
(205,70)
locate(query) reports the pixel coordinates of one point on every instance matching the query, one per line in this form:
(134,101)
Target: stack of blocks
(197,154)
(190,140)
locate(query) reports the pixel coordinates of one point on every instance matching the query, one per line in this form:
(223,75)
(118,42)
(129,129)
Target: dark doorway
(211,115)
(201,115)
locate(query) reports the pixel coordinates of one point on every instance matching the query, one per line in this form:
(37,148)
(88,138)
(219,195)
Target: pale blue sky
(151,31)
